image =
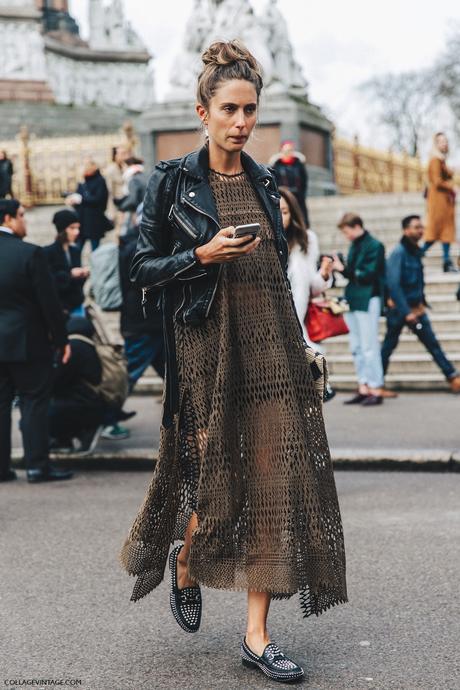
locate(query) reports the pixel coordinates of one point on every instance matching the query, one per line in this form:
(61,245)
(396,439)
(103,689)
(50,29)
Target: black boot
(48,474)
(448,267)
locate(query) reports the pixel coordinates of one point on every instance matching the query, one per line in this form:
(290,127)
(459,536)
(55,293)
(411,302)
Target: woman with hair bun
(244,475)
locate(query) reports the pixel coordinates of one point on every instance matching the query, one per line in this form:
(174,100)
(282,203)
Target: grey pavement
(66,611)
(417,428)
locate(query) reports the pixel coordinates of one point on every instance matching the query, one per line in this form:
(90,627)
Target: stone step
(401,363)
(408,343)
(350,202)
(153,385)
(405,382)
(435,284)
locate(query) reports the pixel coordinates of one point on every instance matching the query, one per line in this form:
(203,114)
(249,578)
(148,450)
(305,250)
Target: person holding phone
(244,474)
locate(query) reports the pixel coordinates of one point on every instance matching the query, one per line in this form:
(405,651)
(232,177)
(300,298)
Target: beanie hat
(62,219)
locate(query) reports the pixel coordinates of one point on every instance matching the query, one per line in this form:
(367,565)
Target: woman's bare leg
(257,636)
(183,578)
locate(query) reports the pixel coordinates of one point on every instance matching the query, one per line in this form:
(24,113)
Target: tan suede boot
(455,384)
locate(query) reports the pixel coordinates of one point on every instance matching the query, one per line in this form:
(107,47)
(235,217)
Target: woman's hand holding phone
(225,247)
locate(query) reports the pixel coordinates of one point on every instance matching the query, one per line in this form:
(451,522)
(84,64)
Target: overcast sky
(339,44)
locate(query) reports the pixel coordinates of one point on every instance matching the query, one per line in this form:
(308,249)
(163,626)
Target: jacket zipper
(182,303)
(198,210)
(187,227)
(144,300)
(203,213)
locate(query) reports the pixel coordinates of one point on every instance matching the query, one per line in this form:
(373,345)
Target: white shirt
(7,230)
(306,281)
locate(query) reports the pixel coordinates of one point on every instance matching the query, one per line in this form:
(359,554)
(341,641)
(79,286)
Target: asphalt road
(65,609)
(426,421)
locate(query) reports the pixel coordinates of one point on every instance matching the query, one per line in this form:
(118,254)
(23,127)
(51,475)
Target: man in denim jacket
(407,304)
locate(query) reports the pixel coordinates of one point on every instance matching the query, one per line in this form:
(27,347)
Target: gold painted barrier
(359,169)
(46,168)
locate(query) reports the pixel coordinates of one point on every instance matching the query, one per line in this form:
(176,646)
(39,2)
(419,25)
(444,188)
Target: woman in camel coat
(440,225)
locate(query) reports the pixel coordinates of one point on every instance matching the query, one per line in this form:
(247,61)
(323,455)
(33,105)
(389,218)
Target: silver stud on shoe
(185,603)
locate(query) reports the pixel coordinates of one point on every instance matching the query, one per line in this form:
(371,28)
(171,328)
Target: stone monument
(171,128)
(43,60)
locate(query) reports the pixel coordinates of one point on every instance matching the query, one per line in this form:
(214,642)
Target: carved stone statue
(236,19)
(187,63)
(98,39)
(21,51)
(266,36)
(287,72)
(109,29)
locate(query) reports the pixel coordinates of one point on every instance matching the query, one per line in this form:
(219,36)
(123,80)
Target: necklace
(226,174)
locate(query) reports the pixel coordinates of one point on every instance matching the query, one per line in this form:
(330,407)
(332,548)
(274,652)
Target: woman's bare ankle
(183,578)
(257,640)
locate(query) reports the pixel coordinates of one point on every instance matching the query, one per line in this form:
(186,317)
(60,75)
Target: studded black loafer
(273,663)
(185,603)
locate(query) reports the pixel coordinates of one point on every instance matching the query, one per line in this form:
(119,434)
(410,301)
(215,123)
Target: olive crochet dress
(248,450)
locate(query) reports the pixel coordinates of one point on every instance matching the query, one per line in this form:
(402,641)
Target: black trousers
(68,418)
(424,332)
(32,382)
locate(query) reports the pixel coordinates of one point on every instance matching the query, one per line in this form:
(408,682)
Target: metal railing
(47,168)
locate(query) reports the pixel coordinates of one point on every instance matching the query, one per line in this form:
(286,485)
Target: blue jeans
(78,311)
(395,324)
(141,352)
(365,345)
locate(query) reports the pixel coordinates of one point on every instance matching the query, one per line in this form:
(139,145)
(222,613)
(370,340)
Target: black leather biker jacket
(180,214)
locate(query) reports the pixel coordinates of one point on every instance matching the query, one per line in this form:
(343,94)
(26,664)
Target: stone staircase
(411,366)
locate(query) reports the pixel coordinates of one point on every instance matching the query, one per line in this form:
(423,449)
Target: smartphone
(252,229)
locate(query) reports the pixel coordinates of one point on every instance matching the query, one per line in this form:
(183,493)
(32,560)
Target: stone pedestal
(171,129)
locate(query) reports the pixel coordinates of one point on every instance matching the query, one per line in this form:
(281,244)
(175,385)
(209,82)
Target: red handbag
(321,322)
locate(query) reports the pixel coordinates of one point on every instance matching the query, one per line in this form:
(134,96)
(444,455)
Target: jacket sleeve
(153,264)
(393,281)
(367,268)
(45,292)
(435,177)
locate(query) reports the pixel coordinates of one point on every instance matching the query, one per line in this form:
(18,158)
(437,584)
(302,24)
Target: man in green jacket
(365,271)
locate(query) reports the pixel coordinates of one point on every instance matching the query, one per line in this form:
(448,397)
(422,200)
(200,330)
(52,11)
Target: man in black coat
(31,327)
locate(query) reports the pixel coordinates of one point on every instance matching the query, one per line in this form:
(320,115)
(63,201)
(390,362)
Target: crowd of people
(375,286)
(52,359)
(69,389)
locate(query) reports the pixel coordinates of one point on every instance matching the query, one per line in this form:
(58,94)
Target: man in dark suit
(32,326)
